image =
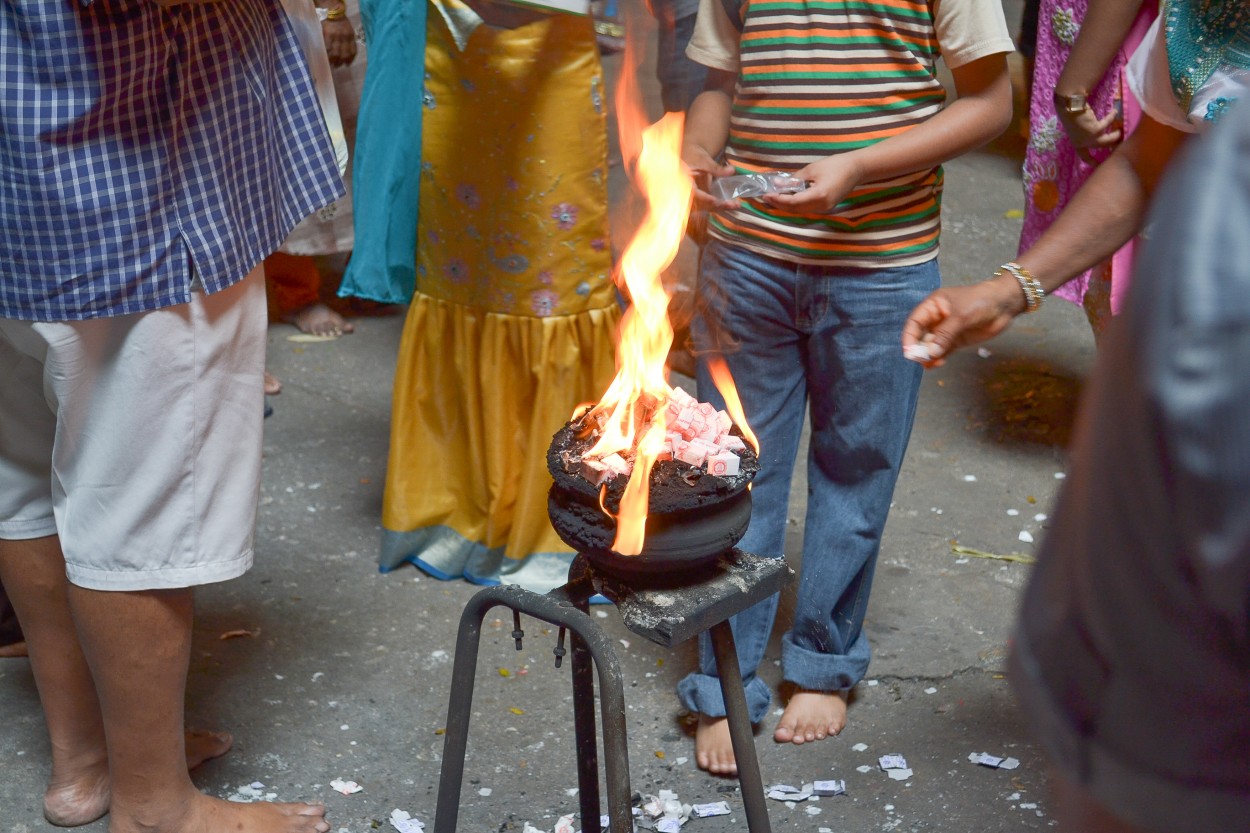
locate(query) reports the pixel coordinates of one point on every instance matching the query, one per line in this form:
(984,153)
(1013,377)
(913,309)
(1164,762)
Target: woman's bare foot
(713,747)
(203,746)
(273,387)
(811,716)
(319,320)
(201,813)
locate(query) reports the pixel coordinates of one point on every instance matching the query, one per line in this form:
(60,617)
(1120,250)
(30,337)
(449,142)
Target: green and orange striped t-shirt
(820,77)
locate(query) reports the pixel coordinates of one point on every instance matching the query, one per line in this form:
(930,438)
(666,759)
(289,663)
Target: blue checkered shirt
(143,147)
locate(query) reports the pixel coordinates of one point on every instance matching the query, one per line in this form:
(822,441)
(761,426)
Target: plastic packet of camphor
(746,186)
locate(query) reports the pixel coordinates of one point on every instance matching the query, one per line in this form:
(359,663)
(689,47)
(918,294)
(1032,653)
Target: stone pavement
(343,673)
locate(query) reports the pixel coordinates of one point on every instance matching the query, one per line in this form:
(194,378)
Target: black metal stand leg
(584,733)
(456,740)
(591,648)
(740,735)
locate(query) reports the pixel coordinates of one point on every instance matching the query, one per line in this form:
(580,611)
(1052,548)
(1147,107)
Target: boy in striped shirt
(805,294)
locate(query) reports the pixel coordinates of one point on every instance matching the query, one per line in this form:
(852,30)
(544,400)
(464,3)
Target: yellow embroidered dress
(514,317)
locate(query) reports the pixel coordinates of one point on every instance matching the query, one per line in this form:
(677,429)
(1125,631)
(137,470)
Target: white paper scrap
(668,824)
(985,759)
(403,821)
(930,690)
(1026,537)
(716,808)
(893,762)
(485,792)
(565,825)
(899,774)
(917,352)
(829,787)
(860,747)
(813,811)
(1009,763)
(864,768)
(346,787)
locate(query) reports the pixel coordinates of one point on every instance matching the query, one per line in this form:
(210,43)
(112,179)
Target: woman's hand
(1086,131)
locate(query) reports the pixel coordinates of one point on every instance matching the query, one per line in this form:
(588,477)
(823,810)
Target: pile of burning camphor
(703,460)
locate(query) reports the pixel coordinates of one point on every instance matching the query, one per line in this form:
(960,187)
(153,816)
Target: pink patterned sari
(1053,171)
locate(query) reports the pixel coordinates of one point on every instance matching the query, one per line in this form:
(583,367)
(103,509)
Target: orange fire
(631,415)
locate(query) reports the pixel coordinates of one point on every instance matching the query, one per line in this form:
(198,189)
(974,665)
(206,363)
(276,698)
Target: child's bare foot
(78,791)
(713,747)
(203,746)
(319,320)
(201,813)
(811,716)
(273,387)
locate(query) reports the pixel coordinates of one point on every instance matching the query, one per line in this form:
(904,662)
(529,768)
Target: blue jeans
(828,339)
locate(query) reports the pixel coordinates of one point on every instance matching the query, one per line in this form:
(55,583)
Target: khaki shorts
(137,439)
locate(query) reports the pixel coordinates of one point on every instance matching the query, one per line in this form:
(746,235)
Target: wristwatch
(1071,104)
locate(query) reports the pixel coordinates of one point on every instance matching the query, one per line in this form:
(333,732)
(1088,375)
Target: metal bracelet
(1029,285)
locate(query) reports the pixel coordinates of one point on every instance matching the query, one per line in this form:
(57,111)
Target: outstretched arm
(1101,217)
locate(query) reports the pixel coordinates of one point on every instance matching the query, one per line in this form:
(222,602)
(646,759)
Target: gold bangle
(1029,285)
(337,13)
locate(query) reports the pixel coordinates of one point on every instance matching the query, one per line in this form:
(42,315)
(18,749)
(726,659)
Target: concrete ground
(325,669)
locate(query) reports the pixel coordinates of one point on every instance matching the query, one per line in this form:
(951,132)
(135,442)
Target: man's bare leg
(713,747)
(33,572)
(138,647)
(811,716)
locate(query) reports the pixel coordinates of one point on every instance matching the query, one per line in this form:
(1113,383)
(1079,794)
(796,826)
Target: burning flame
(631,414)
(725,384)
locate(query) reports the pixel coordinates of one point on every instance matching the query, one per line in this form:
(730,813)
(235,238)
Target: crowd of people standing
(478,198)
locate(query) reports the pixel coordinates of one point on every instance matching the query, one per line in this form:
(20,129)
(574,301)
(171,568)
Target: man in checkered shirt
(151,154)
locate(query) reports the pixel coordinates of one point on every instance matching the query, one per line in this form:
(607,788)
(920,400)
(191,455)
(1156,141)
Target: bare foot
(713,748)
(272,386)
(811,716)
(200,813)
(78,792)
(319,320)
(13,649)
(204,746)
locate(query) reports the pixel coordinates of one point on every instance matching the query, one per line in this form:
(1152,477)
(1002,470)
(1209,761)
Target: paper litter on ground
(346,787)
(899,774)
(785,792)
(860,747)
(893,762)
(403,821)
(992,761)
(248,793)
(716,808)
(827,788)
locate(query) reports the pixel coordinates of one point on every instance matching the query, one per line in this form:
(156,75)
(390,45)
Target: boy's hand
(957,316)
(704,168)
(829,181)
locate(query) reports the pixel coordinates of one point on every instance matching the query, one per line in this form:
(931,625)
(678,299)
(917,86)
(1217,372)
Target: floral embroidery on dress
(456,270)
(1217,107)
(1045,135)
(583,288)
(545,277)
(467,194)
(543,302)
(1063,24)
(598,244)
(565,215)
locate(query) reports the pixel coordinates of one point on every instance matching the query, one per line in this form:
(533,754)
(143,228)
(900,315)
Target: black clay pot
(692,516)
